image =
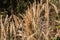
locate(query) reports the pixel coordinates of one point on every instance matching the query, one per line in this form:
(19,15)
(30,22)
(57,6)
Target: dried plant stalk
(3,32)
(41,2)
(55,8)
(16,21)
(28,19)
(14,30)
(47,18)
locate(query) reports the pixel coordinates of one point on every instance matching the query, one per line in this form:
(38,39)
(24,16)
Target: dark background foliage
(15,5)
(19,6)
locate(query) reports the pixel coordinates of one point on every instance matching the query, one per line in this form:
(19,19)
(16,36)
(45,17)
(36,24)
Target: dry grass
(33,26)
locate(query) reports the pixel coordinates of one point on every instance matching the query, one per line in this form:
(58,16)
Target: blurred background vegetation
(19,6)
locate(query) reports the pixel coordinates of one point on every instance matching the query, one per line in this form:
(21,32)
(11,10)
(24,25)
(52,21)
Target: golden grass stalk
(16,21)
(28,19)
(47,18)
(55,8)
(6,19)
(12,31)
(57,21)
(41,2)
(3,31)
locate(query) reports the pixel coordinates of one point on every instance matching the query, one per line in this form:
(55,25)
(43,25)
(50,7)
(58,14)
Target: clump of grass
(32,26)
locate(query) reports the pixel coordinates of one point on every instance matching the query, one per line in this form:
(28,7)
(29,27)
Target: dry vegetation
(37,24)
